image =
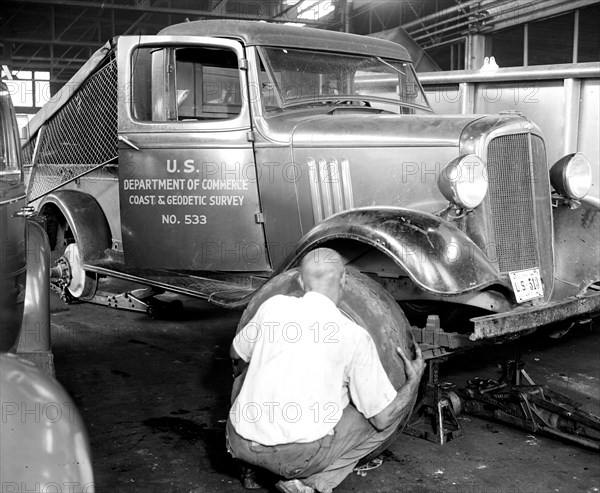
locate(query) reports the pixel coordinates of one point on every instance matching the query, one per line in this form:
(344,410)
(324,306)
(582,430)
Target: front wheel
(72,280)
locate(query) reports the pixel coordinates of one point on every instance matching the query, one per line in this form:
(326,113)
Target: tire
(369,305)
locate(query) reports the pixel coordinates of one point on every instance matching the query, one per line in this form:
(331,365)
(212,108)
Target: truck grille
(511,202)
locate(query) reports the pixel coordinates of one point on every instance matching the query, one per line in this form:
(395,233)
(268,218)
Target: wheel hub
(68,273)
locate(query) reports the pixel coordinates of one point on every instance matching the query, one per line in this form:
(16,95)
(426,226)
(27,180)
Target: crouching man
(314,397)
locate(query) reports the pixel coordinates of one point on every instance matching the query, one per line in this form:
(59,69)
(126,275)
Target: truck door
(187,183)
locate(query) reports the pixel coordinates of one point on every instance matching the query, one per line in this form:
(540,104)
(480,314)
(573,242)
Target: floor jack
(67,275)
(434,416)
(532,407)
(138,300)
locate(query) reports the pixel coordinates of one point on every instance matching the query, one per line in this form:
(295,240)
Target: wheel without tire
(82,285)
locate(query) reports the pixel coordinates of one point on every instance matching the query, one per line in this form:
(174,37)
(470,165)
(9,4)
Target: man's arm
(238,364)
(399,406)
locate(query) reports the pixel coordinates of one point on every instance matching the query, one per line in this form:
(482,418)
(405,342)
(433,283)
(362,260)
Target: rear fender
(436,255)
(86,219)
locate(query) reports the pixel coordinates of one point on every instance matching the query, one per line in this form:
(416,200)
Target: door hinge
(250,135)
(259,218)
(243,64)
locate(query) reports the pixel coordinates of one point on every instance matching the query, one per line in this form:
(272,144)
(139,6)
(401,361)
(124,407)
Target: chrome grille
(511,202)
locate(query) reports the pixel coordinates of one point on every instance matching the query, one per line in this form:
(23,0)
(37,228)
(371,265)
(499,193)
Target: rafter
(208,14)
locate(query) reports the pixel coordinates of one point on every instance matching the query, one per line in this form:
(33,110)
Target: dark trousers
(322,464)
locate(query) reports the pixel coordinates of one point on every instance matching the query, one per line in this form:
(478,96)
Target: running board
(223,293)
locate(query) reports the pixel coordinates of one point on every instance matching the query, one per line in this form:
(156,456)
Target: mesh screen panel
(27,153)
(80,136)
(27,156)
(511,201)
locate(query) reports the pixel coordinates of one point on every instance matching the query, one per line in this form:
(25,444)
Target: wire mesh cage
(81,136)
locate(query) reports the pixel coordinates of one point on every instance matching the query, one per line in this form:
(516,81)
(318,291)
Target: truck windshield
(292,77)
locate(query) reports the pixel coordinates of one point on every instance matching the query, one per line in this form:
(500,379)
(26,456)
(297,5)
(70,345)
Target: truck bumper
(502,324)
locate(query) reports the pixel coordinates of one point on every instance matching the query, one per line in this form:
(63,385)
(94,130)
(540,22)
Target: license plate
(526,284)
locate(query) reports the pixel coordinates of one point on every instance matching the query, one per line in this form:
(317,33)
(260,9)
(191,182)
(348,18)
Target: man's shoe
(248,478)
(293,486)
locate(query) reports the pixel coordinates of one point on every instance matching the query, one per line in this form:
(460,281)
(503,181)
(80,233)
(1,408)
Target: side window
(185,84)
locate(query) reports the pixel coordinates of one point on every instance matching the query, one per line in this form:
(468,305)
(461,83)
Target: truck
(208,159)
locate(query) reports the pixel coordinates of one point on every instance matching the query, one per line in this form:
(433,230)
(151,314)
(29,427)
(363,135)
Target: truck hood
(369,130)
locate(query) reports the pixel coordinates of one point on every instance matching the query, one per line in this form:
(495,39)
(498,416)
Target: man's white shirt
(306,361)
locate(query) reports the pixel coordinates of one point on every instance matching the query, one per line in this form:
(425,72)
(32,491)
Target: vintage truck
(209,158)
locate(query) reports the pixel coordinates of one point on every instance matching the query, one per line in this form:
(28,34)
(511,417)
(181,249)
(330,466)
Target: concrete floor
(154,395)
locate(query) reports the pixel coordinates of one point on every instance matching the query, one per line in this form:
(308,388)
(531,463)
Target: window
(29,89)
(589,34)
(10,171)
(448,56)
(292,77)
(507,46)
(185,84)
(551,40)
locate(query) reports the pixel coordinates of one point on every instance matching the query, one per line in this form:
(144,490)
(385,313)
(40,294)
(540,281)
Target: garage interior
(154,393)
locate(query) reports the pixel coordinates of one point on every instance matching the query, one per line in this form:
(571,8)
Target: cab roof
(256,33)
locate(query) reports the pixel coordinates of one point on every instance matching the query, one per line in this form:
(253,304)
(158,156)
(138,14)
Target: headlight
(571,176)
(464,181)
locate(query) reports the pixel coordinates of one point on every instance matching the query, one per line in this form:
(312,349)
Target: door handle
(128,142)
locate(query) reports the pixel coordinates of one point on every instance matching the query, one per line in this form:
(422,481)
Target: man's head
(322,270)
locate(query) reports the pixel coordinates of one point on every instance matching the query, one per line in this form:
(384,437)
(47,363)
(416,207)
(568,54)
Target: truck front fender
(86,219)
(436,255)
(34,337)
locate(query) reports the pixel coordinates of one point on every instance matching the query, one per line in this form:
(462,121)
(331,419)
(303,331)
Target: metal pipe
(447,42)
(525,45)
(454,26)
(48,42)
(572,93)
(576,36)
(347,15)
(540,72)
(466,14)
(47,59)
(447,11)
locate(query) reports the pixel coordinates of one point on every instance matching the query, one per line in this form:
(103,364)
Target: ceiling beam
(47,42)
(238,15)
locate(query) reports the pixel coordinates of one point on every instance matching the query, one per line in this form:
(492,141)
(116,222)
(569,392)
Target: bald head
(322,270)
